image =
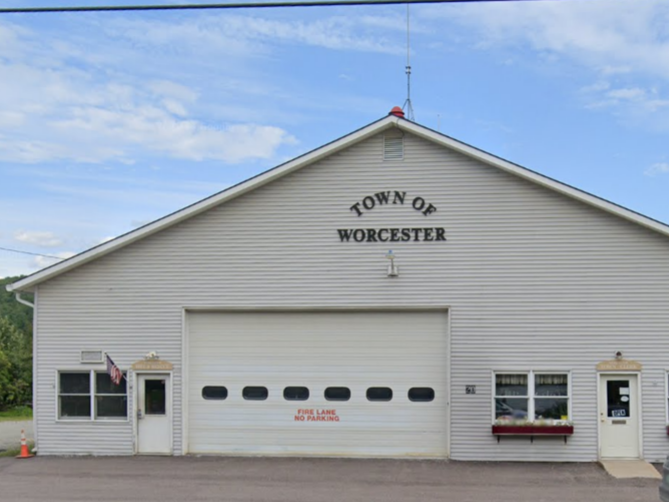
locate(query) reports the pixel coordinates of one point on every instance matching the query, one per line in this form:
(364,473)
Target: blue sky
(108,121)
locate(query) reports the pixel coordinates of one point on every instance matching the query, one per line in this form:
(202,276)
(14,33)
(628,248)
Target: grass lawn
(18,413)
(13,452)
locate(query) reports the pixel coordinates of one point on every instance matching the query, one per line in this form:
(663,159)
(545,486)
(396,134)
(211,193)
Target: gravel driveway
(165,479)
(10,433)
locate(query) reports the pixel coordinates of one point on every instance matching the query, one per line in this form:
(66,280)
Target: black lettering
(428,234)
(371,235)
(416,232)
(418,203)
(359,235)
(406,234)
(356,207)
(379,233)
(371,204)
(430,209)
(382,197)
(344,235)
(399,196)
(394,234)
(441,234)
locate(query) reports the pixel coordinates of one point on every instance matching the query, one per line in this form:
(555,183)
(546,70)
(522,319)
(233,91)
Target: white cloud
(629,94)
(42,239)
(612,37)
(657,168)
(632,100)
(105,239)
(56,106)
(238,35)
(155,129)
(43,261)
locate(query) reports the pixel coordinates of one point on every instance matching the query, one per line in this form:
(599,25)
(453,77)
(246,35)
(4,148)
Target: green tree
(15,349)
(7,392)
(20,315)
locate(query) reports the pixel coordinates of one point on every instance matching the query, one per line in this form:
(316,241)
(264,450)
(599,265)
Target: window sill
(89,421)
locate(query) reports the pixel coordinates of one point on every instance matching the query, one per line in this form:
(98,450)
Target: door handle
(140,415)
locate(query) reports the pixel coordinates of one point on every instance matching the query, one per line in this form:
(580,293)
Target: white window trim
(531,391)
(92,394)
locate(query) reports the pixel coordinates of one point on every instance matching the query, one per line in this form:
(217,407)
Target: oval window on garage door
(421,394)
(379,394)
(296,393)
(214,393)
(255,393)
(337,394)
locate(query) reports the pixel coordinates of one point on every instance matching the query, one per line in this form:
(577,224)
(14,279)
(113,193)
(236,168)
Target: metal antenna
(408,107)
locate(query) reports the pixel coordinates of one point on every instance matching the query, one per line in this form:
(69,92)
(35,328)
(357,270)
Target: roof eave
(535,177)
(28,283)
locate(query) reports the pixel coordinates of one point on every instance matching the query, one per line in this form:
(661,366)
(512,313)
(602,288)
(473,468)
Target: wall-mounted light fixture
(393,270)
(619,355)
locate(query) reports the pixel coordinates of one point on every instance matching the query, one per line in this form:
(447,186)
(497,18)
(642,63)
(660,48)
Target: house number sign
(392,197)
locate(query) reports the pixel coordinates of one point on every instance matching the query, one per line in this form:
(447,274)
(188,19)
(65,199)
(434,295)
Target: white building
(279,326)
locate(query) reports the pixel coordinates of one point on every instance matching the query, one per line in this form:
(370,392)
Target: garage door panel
(318,350)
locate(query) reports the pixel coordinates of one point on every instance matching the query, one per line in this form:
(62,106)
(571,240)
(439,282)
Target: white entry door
(154,414)
(619,416)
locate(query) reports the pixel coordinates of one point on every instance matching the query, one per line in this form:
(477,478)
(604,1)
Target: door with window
(619,416)
(154,428)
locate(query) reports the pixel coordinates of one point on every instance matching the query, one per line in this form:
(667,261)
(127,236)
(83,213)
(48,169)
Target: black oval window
(214,392)
(379,394)
(421,394)
(337,393)
(255,393)
(296,393)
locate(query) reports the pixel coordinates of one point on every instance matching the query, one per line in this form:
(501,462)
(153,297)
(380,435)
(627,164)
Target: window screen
(111,400)
(511,396)
(551,401)
(74,395)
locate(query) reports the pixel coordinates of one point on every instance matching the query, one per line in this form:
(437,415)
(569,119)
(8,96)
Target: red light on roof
(397,111)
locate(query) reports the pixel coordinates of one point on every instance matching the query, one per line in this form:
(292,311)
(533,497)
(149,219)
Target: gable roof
(387,122)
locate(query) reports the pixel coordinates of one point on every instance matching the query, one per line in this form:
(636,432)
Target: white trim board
(28,283)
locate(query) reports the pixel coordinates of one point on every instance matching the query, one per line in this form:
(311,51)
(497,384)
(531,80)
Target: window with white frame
(531,396)
(91,395)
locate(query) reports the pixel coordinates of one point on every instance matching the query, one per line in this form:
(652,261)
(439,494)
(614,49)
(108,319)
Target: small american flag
(115,373)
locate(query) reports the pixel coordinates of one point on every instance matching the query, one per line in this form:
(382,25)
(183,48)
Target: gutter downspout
(17,294)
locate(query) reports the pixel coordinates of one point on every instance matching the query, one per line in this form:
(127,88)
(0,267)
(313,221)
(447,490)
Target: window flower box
(533,429)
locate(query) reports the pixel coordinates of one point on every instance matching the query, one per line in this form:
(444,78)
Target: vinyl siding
(533,281)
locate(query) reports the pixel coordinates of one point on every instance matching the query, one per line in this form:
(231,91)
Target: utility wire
(244,5)
(28,252)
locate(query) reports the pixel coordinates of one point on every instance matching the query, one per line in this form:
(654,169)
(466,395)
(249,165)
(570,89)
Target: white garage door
(318,383)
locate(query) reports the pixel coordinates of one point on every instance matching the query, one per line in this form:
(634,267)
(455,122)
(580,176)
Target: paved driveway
(10,433)
(309,480)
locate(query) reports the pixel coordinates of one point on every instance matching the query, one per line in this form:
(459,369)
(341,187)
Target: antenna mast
(408,107)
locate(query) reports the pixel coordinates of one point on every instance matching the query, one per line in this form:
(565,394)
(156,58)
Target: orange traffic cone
(24,447)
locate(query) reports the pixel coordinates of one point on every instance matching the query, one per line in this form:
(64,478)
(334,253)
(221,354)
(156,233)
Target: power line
(28,252)
(245,5)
